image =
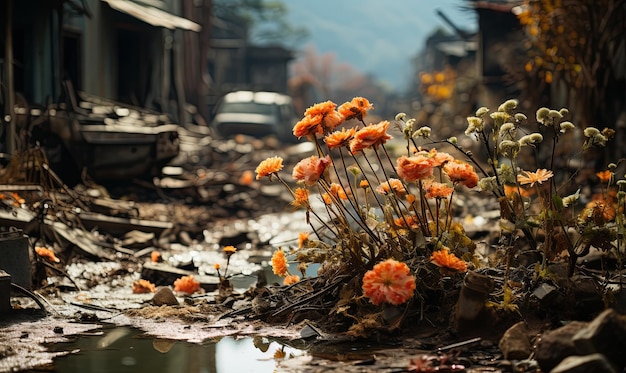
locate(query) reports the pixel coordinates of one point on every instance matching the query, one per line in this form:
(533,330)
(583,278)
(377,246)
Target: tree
(579,44)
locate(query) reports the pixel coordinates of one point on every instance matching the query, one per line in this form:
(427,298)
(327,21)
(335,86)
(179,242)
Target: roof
(153,16)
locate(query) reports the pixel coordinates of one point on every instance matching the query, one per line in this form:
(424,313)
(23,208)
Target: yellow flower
(229,249)
(531,178)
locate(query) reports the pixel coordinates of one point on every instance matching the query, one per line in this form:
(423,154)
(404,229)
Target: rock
(583,364)
(515,343)
(555,345)
(164,297)
(606,334)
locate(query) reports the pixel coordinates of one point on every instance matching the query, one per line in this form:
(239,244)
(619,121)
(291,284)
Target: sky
(376,37)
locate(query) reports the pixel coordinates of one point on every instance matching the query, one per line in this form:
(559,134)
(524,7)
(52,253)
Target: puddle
(124,349)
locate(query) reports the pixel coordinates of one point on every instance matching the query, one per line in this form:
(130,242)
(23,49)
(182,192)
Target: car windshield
(248,108)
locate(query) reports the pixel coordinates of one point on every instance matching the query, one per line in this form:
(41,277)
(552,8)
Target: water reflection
(123,349)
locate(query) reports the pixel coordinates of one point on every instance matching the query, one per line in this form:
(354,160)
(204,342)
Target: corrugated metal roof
(153,16)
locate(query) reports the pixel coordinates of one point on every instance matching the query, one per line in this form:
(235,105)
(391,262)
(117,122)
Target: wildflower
(279,263)
(246,178)
(309,170)
(566,126)
(143,286)
(406,221)
(307,126)
(445,259)
(326,116)
(511,190)
(186,284)
(414,168)
(394,185)
(357,108)
(389,281)
(439,158)
(303,237)
(337,190)
(364,184)
(481,111)
(475,124)
(400,116)
(156,257)
(453,140)
(424,132)
(591,132)
(410,198)
(499,118)
(507,127)
(291,279)
(487,184)
(508,106)
(531,178)
(217,266)
(543,116)
(301,198)
(328,200)
(370,136)
(571,199)
(462,173)
(438,190)
(280,354)
(268,167)
(341,138)
(520,117)
(509,147)
(604,176)
(229,250)
(47,254)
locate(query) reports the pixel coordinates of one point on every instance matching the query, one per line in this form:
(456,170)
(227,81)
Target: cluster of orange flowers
(187,284)
(280,268)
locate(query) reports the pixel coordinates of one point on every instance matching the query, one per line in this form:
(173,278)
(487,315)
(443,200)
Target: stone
(515,343)
(582,364)
(606,334)
(164,297)
(555,345)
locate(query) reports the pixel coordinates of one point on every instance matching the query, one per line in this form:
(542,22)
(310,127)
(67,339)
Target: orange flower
(217,266)
(339,138)
(444,258)
(268,167)
(279,263)
(320,118)
(394,185)
(246,178)
(531,178)
(511,190)
(156,257)
(370,136)
(327,199)
(301,197)
(47,254)
(229,250)
(440,158)
(309,170)
(417,167)
(364,184)
(142,287)
(291,279)
(357,108)
(410,198)
(308,126)
(407,221)
(438,190)
(604,176)
(337,190)
(303,237)
(462,173)
(186,284)
(389,281)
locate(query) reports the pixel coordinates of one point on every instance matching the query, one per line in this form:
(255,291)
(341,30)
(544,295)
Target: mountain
(376,37)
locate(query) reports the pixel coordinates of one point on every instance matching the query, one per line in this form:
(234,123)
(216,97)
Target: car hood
(244,118)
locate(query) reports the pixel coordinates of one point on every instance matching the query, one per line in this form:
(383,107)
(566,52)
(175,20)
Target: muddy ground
(206,199)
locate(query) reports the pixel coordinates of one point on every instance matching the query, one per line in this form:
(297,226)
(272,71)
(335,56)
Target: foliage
(386,223)
(579,43)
